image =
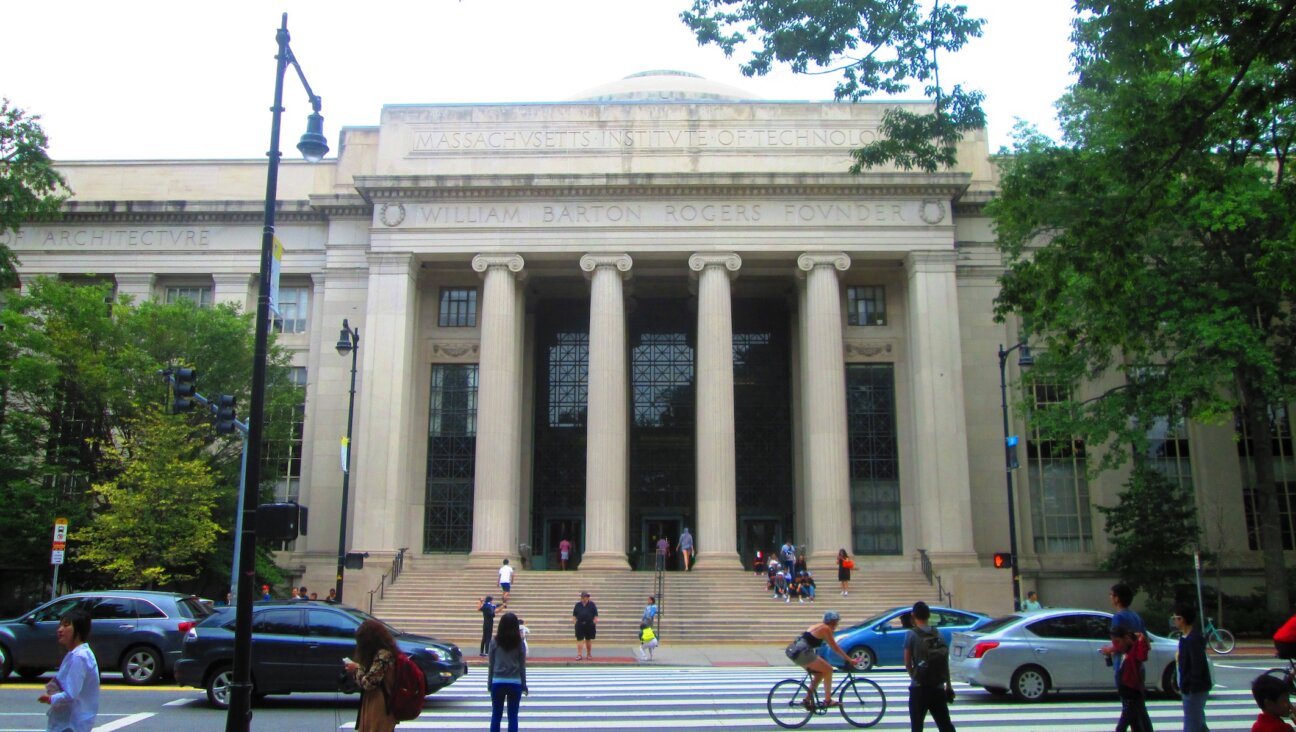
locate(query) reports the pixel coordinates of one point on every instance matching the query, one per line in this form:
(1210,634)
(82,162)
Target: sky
(189,80)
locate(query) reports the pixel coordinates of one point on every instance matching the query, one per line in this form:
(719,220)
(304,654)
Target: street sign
(60,530)
(56,556)
(60,546)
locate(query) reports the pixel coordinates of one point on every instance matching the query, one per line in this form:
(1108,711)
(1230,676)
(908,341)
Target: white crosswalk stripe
(734,698)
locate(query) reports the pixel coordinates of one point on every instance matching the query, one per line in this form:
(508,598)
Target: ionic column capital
(729,260)
(591,262)
(483,262)
(838,260)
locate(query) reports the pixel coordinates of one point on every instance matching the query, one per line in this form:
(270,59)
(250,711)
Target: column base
(604,560)
(717,561)
(483,560)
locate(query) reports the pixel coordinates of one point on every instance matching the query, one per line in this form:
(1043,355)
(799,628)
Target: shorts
(805,658)
(505,586)
(586,630)
(565,557)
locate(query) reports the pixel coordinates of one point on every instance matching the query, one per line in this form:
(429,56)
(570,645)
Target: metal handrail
(659,582)
(398,563)
(928,571)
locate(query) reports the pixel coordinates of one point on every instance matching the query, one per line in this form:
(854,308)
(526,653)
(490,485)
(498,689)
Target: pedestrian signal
(1002,560)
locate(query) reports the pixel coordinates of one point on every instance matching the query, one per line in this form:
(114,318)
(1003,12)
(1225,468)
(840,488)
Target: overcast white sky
(176,79)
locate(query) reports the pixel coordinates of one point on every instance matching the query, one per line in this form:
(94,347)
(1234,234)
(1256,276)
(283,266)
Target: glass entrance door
(762,535)
(658,528)
(549,555)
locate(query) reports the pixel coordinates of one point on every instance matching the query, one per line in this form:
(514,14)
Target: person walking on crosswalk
(926,658)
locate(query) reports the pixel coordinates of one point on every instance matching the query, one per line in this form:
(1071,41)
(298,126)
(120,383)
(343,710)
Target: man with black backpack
(926,658)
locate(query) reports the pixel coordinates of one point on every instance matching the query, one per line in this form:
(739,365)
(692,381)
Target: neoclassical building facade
(663,304)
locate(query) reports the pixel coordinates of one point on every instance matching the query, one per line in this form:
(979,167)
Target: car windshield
(999,623)
(870,622)
(362,616)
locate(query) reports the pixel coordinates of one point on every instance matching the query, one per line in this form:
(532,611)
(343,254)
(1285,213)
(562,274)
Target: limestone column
(496,488)
(381,478)
(943,488)
(607,447)
(716,534)
(232,288)
(138,286)
(828,510)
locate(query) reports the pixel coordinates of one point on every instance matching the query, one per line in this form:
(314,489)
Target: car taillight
(982,647)
(186,626)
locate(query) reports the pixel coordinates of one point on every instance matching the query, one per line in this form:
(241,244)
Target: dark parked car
(137,632)
(298,647)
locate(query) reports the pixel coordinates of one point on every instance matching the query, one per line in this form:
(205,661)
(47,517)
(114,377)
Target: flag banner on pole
(344,454)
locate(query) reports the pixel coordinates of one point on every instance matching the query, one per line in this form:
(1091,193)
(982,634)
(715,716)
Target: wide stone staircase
(695,607)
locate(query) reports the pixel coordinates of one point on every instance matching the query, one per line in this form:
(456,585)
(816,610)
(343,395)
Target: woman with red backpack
(374,670)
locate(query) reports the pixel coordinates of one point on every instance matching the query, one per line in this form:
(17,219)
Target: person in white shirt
(505,580)
(525,631)
(73,695)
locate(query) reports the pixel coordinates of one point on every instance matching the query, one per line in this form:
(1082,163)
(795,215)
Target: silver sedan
(1032,653)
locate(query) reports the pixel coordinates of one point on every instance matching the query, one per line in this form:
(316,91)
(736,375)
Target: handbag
(796,647)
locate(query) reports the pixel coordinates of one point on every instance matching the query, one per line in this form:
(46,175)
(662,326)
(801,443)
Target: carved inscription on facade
(657,213)
(95,238)
(425,141)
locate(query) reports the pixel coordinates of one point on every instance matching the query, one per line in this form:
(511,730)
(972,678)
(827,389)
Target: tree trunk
(1255,413)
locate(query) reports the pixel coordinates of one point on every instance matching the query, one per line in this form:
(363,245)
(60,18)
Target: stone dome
(664,85)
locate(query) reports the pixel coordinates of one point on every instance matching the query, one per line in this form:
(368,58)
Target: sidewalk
(727,655)
(676,654)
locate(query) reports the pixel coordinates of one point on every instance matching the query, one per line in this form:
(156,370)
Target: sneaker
(802,601)
(845,593)
(787,599)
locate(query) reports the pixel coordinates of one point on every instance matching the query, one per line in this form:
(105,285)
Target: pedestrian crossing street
(648,698)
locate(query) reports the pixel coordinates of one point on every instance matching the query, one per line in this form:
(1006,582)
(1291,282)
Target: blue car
(879,641)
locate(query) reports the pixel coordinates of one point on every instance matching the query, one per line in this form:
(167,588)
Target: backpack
(930,658)
(409,689)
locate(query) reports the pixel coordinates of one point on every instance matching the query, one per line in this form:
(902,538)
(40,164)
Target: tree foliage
(876,47)
(153,522)
(78,379)
(1154,530)
(1157,240)
(30,187)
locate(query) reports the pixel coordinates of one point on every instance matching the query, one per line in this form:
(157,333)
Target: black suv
(137,632)
(298,646)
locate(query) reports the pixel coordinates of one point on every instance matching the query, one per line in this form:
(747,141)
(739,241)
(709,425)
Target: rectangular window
(458,307)
(294,309)
(282,458)
(1061,518)
(200,296)
(866,305)
(874,459)
(1284,478)
(1168,451)
(451,458)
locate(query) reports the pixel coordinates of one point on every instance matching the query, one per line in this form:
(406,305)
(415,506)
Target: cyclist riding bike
(804,652)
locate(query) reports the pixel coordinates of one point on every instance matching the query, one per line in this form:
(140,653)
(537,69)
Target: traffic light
(1002,560)
(223,408)
(1010,456)
(185,381)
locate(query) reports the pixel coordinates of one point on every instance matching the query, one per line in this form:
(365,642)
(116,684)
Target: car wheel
(864,657)
(1170,681)
(141,665)
(218,686)
(28,673)
(5,665)
(1030,684)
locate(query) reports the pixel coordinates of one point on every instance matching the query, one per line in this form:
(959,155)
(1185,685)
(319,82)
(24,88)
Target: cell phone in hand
(346,661)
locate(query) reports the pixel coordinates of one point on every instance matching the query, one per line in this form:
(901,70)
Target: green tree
(153,523)
(77,375)
(1158,239)
(876,47)
(30,187)
(1154,530)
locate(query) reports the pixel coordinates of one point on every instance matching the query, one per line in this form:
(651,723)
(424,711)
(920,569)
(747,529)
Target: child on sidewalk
(647,642)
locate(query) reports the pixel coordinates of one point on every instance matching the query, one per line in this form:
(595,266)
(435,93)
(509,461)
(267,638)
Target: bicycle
(1288,676)
(1217,639)
(861,701)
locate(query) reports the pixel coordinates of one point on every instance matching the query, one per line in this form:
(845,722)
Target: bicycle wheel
(784,703)
(862,702)
(1222,641)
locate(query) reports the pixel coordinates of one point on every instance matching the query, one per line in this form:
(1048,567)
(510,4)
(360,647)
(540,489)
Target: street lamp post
(313,147)
(348,342)
(1024,359)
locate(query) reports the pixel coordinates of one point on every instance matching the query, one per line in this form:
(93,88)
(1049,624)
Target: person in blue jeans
(1122,596)
(506,672)
(1194,673)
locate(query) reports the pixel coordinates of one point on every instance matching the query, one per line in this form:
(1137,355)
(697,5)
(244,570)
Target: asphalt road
(171,708)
